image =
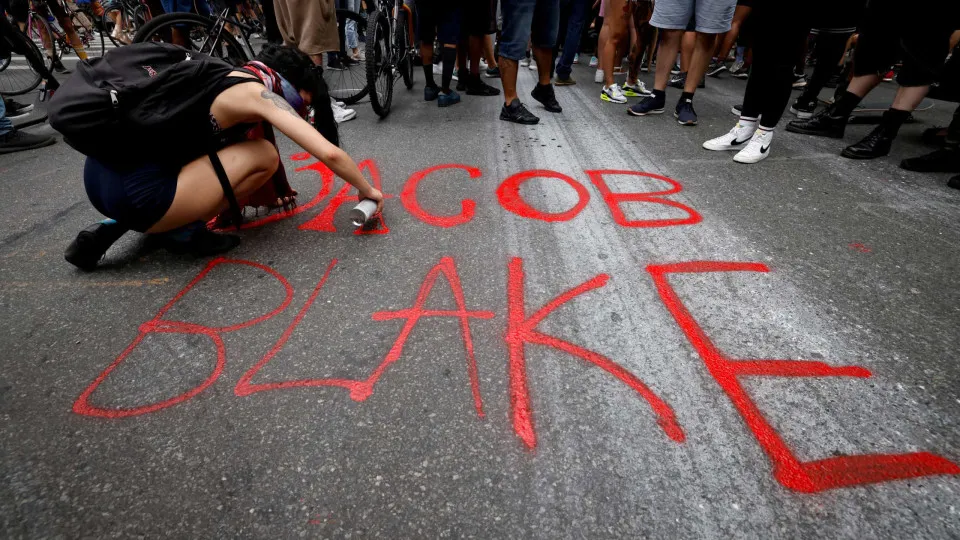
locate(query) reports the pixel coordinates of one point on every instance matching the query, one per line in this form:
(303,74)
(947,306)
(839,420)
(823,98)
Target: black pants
(778,39)
(826,53)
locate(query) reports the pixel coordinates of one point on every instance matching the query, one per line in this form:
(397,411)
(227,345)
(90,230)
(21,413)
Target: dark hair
(300,71)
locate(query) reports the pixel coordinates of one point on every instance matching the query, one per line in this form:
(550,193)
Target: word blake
(508,195)
(522,329)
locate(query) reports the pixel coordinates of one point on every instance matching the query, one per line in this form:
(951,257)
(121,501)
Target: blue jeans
(528,20)
(350,32)
(6,126)
(571,45)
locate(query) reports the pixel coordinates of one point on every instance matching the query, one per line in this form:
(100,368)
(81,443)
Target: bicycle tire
(225,47)
(402,39)
(37,25)
(87,31)
(347,82)
(379,66)
(17,75)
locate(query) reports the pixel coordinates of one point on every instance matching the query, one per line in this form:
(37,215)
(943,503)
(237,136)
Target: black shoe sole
(506,118)
(648,113)
(483,93)
(851,155)
(12,149)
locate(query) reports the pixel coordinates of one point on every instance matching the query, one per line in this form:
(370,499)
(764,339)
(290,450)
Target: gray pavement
(180,440)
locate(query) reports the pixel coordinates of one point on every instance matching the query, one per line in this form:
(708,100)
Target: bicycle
(208,35)
(130,15)
(390,52)
(44,27)
(22,67)
(346,76)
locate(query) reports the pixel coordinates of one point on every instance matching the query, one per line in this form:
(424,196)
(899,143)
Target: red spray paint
(510,199)
(409,198)
(614,200)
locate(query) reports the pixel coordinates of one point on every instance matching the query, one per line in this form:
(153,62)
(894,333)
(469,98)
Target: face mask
(293,97)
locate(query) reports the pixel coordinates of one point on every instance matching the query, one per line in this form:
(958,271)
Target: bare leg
(687,47)
(544,56)
(615,24)
(488,51)
(199,197)
(730,37)
(666,56)
(700,61)
(508,75)
(909,97)
(862,85)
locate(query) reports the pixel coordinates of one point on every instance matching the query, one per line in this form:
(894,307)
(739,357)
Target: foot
(876,144)
(737,109)
(525,62)
(799,80)
(60,68)
(533,65)
(576,58)
(612,94)
(461,81)
(757,149)
(940,160)
(476,87)
(934,135)
(647,106)
(733,140)
(678,81)
(544,94)
(563,81)
(196,240)
(430,93)
(341,114)
(518,114)
(675,70)
(447,99)
(493,73)
(18,141)
(716,68)
(15,109)
(594,61)
(823,123)
(743,72)
(92,243)
(954,182)
(334,63)
(635,90)
(804,107)
(685,114)
(598,76)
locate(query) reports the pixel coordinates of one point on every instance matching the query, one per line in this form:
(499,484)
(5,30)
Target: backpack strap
(227,189)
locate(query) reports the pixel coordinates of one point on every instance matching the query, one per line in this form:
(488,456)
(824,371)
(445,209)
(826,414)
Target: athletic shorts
(137,196)
(708,16)
(536,21)
(476,18)
(921,41)
(439,20)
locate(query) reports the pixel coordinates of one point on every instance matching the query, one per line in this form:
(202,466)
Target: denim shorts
(708,16)
(528,20)
(185,6)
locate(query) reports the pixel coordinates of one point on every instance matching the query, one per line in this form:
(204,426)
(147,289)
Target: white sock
(768,131)
(747,122)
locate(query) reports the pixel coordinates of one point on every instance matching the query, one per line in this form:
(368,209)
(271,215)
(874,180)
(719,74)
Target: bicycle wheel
(379,66)
(89,37)
(17,75)
(347,77)
(38,30)
(404,47)
(195,32)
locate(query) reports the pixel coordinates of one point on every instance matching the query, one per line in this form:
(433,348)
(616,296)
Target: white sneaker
(733,140)
(598,76)
(576,58)
(533,65)
(613,94)
(483,65)
(525,62)
(594,61)
(636,90)
(757,148)
(341,114)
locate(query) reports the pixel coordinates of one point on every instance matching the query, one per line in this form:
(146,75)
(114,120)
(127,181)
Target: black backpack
(143,102)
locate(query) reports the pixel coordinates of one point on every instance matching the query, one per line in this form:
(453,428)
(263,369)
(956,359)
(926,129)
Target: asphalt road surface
(768,351)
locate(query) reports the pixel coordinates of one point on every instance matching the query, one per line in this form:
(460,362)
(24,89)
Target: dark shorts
(440,20)
(476,18)
(185,6)
(136,196)
(537,21)
(921,41)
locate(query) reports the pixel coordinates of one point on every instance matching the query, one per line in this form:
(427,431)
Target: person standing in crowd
(13,140)
(474,27)
(311,26)
(528,20)
(921,32)
(439,20)
(624,18)
(576,12)
(711,18)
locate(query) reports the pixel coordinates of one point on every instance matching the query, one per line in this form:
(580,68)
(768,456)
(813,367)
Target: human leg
(615,23)
(571,45)
(546,26)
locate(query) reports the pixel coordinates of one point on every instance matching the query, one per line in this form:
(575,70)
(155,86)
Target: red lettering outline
(157,324)
(409,198)
(508,193)
(614,200)
(806,477)
(323,222)
(522,330)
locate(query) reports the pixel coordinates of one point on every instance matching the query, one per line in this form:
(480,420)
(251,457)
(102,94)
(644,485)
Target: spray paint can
(363,212)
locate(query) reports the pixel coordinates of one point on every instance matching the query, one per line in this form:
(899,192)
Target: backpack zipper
(114,99)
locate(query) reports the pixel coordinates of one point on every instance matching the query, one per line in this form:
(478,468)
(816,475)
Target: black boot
(92,243)
(876,144)
(196,240)
(954,182)
(825,124)
(544,94)
(940,160)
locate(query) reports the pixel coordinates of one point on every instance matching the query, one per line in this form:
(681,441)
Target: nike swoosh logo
(738,143)
(763,149)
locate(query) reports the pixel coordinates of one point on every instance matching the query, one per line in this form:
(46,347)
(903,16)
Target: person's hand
(374,195)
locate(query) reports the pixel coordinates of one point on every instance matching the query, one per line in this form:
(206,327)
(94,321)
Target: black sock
(428,74)
(893,119)
(449,56)
(845,105)
(659,94)
(685,96)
